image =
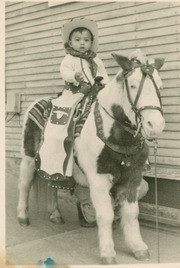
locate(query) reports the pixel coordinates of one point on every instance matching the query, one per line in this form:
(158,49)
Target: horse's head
(143,84)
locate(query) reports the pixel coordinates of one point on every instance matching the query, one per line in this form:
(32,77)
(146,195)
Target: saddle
(45,111)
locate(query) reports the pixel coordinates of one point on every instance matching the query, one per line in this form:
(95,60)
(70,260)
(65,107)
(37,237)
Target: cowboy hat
(68,27)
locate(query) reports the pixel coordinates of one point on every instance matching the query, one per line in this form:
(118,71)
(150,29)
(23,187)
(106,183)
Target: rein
(126,128)
(156,200)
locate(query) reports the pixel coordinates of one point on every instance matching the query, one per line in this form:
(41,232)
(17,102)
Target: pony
(111,151)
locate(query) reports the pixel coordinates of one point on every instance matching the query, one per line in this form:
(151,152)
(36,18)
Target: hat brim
(91,25)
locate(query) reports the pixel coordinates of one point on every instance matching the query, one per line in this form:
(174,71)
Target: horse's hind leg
(27,170)
(31,141)
(130,226)
(26,177)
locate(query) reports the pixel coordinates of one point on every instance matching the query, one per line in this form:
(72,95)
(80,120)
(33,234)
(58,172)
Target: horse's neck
(110,95)
(115,94)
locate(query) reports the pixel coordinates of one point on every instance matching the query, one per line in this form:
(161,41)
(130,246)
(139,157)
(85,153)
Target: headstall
(147,70)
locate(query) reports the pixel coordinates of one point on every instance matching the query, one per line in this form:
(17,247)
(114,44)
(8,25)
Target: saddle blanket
(37,112)
(56,151)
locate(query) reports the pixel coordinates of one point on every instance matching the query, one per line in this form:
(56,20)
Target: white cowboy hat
(91,25)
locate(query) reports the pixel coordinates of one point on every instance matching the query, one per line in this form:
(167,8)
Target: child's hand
(79,77)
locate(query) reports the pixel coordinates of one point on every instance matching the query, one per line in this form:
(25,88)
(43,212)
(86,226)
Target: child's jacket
(70,65)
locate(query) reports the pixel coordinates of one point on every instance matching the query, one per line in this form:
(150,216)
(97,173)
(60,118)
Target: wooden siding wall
(34,51)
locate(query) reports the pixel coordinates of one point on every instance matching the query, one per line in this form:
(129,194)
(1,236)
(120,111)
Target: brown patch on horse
(126,169)
(32,138)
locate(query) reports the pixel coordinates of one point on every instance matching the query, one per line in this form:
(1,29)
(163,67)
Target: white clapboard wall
(34,51)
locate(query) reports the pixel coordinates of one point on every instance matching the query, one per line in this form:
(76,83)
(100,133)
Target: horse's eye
(133,86)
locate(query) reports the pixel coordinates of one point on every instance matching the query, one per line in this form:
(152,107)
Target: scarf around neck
(88,55)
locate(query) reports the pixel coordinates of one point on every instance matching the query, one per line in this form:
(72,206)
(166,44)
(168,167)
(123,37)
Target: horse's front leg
(131,230)
(27,168)
(99,191)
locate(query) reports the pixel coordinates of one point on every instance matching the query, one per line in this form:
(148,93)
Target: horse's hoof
(142,255)
(109,260)
(57,220)
(23,221)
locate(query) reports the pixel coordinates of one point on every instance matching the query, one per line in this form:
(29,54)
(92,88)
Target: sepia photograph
(91,133)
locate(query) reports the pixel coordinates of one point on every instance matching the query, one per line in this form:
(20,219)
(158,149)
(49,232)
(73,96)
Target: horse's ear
(124,62)
(158,63)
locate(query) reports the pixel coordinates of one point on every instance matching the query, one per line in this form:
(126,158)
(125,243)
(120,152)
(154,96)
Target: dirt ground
(69,243)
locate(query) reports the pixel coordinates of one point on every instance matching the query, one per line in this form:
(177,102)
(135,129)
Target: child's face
(81,41)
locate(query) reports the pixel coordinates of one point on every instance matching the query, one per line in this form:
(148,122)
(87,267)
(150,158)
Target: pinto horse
(111,150)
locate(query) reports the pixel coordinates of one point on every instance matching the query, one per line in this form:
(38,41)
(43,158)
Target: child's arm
(67,71)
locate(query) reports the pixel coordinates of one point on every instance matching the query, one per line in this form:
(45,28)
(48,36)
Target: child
(79,69)
(81,65)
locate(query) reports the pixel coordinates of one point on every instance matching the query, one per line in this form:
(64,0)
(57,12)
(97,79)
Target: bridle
(147,70)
